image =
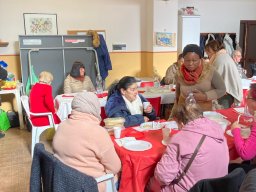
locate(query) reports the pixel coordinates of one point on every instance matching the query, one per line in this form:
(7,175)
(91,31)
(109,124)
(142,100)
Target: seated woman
(124,101)
(77,81)
(80,142)
(172,70)
(41,100)
(199,78)
(213,151)
(246,148)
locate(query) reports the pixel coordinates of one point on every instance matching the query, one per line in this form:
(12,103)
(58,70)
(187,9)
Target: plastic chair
(103,116)
(156,103)
(51,175)
(147,84)
(228,183)
(36,130)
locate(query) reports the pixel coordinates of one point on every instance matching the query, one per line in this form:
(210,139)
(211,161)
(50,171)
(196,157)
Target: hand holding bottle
(199,95)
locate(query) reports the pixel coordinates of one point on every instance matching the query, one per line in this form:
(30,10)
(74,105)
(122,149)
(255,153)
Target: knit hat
(192,48)
(87,102)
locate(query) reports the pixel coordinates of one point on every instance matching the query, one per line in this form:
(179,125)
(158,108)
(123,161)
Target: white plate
(151,126)
(138,145)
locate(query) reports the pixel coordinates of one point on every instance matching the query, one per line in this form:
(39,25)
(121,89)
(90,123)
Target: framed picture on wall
(40,24)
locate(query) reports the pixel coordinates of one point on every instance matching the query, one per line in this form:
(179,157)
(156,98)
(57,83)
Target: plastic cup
(117,132)
(145,105)
(166,134)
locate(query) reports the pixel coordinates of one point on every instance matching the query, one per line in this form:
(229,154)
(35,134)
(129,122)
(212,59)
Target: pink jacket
(246,148)
(83,144)
(211,161)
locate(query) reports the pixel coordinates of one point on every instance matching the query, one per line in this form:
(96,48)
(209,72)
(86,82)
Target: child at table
(246,148)
(211,160)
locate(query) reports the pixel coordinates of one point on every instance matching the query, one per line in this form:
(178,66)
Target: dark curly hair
(75,71)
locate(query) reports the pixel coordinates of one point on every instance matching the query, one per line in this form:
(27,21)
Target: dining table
(138,166)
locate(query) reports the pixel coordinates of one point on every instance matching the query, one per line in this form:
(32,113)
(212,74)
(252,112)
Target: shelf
(4,44)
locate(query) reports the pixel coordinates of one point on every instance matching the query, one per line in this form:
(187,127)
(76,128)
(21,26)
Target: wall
(222,15)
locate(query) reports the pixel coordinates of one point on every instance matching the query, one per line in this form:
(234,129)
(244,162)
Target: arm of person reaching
(168,167)
(246,148)
(219,88)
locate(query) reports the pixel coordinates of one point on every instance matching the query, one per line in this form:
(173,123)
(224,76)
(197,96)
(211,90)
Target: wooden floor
(15,160)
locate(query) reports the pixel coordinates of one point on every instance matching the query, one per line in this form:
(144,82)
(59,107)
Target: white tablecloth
(63,104)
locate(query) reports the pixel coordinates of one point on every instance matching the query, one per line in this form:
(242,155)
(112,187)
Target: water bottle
(190,99)
(99,87)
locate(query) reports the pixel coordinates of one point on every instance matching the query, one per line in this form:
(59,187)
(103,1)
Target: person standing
(227,69)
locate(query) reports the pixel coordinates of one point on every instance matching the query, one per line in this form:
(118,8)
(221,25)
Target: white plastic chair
(110,184)
(36,130)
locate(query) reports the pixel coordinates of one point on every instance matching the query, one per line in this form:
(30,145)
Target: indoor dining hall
(155,96)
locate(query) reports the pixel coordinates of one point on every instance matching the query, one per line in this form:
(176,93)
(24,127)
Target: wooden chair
(36,130)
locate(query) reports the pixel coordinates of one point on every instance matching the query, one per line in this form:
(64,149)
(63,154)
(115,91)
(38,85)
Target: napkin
(124,140)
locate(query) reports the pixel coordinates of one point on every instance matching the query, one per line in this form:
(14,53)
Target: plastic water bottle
(99,87)
(190,99)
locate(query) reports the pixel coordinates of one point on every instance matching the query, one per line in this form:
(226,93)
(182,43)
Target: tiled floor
(15,160)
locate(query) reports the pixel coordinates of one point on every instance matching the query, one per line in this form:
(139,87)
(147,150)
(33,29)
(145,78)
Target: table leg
(17,96)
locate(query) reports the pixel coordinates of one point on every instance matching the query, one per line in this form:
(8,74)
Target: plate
(138,145)
(245,132)
(151,125)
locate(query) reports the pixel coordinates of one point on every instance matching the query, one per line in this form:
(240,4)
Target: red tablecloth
(138,167)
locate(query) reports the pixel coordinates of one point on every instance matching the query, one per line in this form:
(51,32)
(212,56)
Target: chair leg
(33,142)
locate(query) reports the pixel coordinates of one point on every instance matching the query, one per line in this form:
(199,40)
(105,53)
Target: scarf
(135,107)
(191,77)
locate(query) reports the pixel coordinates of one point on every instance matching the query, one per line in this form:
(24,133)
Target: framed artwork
(40,24)
(164,39)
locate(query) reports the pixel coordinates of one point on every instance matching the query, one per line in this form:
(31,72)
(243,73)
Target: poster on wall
(164,39)
(40,24)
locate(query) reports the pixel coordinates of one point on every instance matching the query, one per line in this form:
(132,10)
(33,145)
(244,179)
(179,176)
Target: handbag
(177,180)
(4,121)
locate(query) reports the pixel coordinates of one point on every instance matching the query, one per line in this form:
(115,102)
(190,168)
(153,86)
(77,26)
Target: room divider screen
(56,54)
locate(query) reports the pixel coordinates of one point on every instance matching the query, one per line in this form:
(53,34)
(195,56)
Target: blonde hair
(186,113)
(46,77)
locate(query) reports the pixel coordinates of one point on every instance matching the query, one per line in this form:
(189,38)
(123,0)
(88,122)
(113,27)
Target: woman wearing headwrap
(199,78)
(80,142)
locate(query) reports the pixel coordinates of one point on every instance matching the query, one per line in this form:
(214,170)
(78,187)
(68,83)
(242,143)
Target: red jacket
(41,101)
